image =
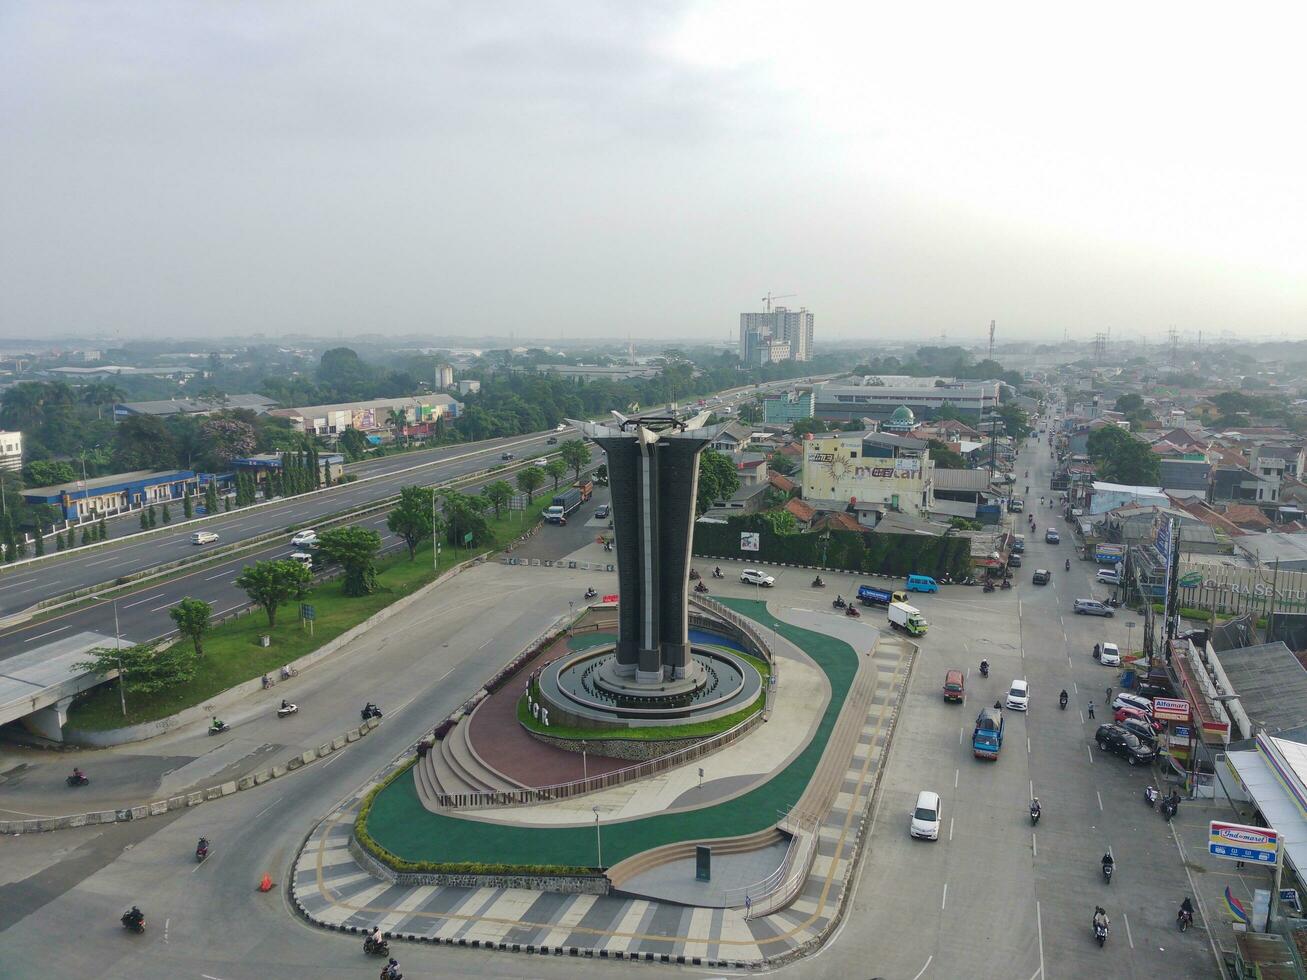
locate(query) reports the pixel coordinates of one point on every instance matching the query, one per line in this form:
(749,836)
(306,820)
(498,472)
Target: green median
(232,654)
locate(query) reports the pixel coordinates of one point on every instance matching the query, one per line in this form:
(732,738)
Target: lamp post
(585,770)
(118,646)
(1130,638)
(599,841)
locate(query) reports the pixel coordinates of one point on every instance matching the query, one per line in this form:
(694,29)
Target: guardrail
(782,886)
(800,831)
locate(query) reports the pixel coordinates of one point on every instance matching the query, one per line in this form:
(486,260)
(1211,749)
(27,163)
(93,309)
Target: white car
(1108,576)
(1018,695)
(303,557)
(926,816)
(751,576)
(203,537)
(1133,701)
(304,538)
(1109,655)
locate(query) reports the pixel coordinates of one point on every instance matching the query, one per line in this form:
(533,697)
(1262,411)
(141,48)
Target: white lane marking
(1090,750)
(267,808)
(102,561)
(1039,927)
(219,575)
(223,612)
(944,901)
(1034,845)
(487,643)
(51,633)
(403,706)
(955,778)
(1027,745)
(166,605)
(1032,789)
(1075,687)
(917,977)
(1128,934)
(950,828)
(334,757)
(148,598)
(1082,717)
(960,731)
(1100,799)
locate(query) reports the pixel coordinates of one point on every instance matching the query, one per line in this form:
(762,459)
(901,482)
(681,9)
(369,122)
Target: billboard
(1170,709)
(749,540)
(1242,842)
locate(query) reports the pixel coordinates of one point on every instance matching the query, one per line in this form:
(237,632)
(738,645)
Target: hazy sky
(586,169)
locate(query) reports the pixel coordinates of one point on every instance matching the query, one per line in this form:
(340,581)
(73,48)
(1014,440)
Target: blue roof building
(106,495)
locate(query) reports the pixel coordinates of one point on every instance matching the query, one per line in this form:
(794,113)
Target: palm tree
(530,479)
(101,393)
(397,419)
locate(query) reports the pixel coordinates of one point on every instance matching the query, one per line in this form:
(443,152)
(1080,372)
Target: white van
(304,538)
(303,557)
(203,537)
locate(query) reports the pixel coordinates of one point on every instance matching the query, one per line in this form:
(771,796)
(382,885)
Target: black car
(1041,577)
(1014,560)
(1118,741)
(552,441)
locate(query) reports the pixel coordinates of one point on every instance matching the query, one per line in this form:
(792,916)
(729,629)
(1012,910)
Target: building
(779,329)
(601,372)
(420,413)
(733,437)
(873,473)
(788,408)
(848,403)
(445,376)
(257,404)
(104,496)
(11,451)
(467,387)
(263,465)
(901,421)
(1240,485)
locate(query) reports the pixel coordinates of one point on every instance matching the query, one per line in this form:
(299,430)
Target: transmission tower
(1100,347)
(991,340)
(1173,341)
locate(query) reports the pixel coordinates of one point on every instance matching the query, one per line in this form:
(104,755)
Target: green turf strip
(399,823)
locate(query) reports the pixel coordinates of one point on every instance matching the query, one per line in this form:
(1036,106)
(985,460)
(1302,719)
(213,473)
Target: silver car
(1091,607)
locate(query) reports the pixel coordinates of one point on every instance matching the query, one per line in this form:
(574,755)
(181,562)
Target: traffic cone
(266,884)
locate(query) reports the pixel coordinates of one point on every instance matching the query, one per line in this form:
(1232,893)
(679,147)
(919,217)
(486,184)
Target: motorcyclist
(134,917)
(984,667)
(839,602)
(1100,917)
(216,725)
(376,937)
(1108,862)
(391,970)
(1187,909)
(1062,698)
(590,593)
(817,582)
(1068,564)
(285,705)
(78,775)
(1035,808)
(717,572)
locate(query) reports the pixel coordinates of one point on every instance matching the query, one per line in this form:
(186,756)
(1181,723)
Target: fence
(777,890)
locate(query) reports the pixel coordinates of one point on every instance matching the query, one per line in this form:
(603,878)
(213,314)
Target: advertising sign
(307,611)
(1242,842)
(1170,709)
(749,540)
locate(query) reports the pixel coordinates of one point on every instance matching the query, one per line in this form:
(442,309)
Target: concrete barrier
(194,799)
(245,782)
(158,807)
(262,777)
(213,793)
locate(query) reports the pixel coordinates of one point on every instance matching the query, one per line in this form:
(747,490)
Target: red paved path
(503,745)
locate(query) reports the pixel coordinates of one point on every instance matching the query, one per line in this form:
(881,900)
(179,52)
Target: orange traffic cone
(266,884)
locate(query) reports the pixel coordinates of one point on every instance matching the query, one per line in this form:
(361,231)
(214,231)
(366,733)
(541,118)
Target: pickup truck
(869,595)
(987,739)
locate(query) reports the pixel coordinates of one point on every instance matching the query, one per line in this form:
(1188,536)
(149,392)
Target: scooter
(700,587)
(286,710)
(1100,933)
(1107,872)
(1151,796)
(989,587)
(1006,584)
(590,593)
(370,710)
(694,575)
(1184,919)
(219,728)
(838,602)
(135,921)
(78,780)
(1061,701)
(374,948)
(718,573)
(817,583)
(202,849)
(984,668)
(1034,813)
(852,611)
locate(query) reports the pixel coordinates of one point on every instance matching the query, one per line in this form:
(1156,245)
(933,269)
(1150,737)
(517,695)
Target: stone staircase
(453,767)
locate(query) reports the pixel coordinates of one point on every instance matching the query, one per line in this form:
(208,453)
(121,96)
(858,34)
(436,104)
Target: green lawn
(232,653)
(398,823)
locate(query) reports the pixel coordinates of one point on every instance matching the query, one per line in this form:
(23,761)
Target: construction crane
(769,297)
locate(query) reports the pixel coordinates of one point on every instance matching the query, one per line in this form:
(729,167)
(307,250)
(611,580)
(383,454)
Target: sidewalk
(333,890)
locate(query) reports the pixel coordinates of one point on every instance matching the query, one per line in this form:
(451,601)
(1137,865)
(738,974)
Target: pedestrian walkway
(332,888)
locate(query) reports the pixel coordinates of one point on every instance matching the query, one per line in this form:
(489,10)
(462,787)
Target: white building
(872,473)
(11,451)
(781,326)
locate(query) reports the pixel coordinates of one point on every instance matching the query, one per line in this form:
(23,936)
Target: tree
(166,514)
(1121,458)
(270,583)
(498,493)
(45,473)
(1129,403)
(194,619)
(86,536)
(780,521)
(153,518)
(58,541)
(945,457)
(1014,421)
(802,427)
(143,442)
(145,520)
(397,419)
(211,497)
(557,468)
(718,479)
(354,443)
(226,438)
(576,454)
(464,514)
(102,530)
(411,518)
(188,508)
(529,479)
(601,473)
(355,549)
(101,393)
(38,543)
(782,464)
(145,669)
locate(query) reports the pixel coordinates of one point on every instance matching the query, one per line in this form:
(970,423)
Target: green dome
(903,416)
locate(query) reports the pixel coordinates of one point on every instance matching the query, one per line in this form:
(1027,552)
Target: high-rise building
(781,325)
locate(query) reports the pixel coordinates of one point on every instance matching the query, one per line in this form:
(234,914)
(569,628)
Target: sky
(584,169)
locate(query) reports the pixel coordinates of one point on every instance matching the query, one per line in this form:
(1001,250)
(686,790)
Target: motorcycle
(219,728)
(370,710)
(590,593)
(817,583)
(1151,796)
(838,602)
(374,948)
(989,587)
(718,573)
(287,709)
(202,849)
(134,919)
(852,611)
(700,587)
(1184,919)
(1035,811)
(1107,872)
(694,575)
(1068,564)
(1061,701)
(77,779)
(1006,584)
(984,668)
(1100,933)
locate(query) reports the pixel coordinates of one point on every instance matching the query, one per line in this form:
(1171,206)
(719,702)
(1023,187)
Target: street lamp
(118,646)
(599,841)
(585,771)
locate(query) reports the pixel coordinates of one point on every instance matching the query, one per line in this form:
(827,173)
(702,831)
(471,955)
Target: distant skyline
(587,170)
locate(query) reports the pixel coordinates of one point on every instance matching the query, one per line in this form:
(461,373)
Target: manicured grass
(399,825)
(232,654)
(652,733)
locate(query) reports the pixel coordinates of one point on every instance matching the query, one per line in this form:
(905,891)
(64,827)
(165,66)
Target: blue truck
(869,595)
(987,739)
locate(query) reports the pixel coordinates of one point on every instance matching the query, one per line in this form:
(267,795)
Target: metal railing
(779,888)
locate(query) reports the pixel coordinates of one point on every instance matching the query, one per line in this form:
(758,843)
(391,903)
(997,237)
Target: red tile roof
(781,482)
(802,512)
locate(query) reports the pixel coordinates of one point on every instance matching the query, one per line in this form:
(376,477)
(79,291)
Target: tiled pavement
(332,889)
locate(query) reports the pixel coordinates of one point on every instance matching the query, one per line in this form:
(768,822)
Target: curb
(158,807)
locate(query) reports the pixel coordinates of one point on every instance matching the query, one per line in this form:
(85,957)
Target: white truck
(907,618)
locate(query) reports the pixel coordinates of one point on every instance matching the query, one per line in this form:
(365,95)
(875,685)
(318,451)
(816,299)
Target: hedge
(896,555)
(437,868)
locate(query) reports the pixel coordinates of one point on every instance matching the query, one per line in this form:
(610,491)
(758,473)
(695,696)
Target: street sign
(306,611)
(749,540)
(1289,897)
(1182,731)
(1170,709)
(1242,842)
(467,538)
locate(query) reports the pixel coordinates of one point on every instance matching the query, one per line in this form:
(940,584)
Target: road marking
(267,808)
(166,605)
(955,778)
(1034,845)
(1090,750)
(1039,927)
(1027,745)
(950,828)
(51,633)
(917,977)
(487,643)
(944,901)
(1100,799)
(404,705)
(1032,789)
(1128,936)
(219,575)
(102,561)
(334,757)
(960,731)
(148,598)
(165,929)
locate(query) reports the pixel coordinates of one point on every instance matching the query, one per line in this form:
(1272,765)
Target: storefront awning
(1274,774)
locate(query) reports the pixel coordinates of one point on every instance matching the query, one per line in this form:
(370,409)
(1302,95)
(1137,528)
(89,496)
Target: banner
(1242,842)
(1170,709)
(749,540)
